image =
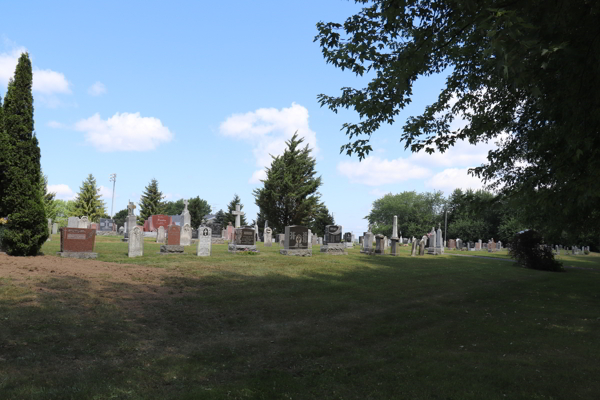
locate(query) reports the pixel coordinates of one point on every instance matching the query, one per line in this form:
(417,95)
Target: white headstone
(203,247)
(161,235)
(73,222)
(186,235)
(83,222)
(54,228)
(136,242)
(268,237)
(185,215)
(395,229)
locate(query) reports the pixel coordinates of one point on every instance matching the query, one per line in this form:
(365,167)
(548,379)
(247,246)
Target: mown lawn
(272,327)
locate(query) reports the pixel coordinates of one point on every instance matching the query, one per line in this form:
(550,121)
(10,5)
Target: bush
(528,249)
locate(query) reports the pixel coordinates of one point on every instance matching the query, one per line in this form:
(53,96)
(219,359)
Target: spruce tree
(320,219)
(220,218)
(229,217)
(289,195)
(151,202)
(27,227)
(50,204)
(198,208)
(88,202)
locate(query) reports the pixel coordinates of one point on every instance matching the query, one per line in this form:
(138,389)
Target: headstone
(122,229)
(385,243)
(256,236)
(49,228)
(432,243)
(268,237)
(379,244)
(83,222)
(238,213)
(281,239)
(77,243)
(315,240)
(348,240)
(422,246)
(136,242)
(73,222)
(451,244)
(230,232)
(54,228)
(360,240)
(395,228)
(173,245)
(161,235)
(185,215)
(185,238)
(130,221)
(414,249)
(320,240)
(106,225)
(296,242)
(158,220)
(203,248)
(439,248)
(499,245)
(332,243)
(368,238)
(244,240)
(478,245)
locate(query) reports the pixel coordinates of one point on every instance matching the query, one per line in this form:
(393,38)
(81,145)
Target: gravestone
(360,240)
(379,244)
(77,243)
(314,241)
(385,243)
(348,240)
(136,242)
(368,238)
(414,248)
(333,244)
(83,222)
(122,230)
(49,228)
(296,242)
(320,240)
(106,225)
(230,232)
(268,237)
(422,246)
(130,221)
(158,220)
(161,235)
(238,213)
(185,214)
(54,228)
(203,248)
(478,244)
(432,243)
(431,239)
(185,238)
(73,222)
(499,245)
(451,244)
(439,248)
(244,240)
(173,245)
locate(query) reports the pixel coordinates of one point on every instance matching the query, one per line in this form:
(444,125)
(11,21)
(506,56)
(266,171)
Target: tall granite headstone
(296,242)
(173,245)
(333,241)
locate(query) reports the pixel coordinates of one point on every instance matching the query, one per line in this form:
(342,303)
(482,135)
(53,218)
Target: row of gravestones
(174,237)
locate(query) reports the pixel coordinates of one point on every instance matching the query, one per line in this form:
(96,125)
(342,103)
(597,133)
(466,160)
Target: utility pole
(113,179)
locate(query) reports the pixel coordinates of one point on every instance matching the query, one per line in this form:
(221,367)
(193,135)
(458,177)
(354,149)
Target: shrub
(528,249)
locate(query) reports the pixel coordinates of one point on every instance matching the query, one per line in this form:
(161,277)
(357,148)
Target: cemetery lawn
(267,326)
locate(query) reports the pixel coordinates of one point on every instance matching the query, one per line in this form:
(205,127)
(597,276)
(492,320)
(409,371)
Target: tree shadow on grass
(382,330)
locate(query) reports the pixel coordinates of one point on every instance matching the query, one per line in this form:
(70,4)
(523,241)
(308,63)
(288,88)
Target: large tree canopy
(525,72)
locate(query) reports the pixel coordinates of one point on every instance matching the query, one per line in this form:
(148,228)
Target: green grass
(273,327)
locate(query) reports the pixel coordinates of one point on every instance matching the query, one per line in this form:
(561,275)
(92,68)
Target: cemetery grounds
(265,326)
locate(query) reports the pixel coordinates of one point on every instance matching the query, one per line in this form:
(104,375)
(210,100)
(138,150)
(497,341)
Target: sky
(199,95)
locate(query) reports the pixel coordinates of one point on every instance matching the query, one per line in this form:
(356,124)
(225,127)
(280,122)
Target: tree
(289,195)
(229,217)
(50,205)
(220,218)
(27,227)
(523,72)
(417,213)
(121,217)
(88,201)
(64,210)
(320,219)
(198,208)
(151,202)
(174,207)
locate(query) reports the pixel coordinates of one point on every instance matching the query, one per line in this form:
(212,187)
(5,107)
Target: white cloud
(375,171)
(45,81)
(55,124)
(268,129)
(97,89)
(453,178)
(124,132)
(62,191)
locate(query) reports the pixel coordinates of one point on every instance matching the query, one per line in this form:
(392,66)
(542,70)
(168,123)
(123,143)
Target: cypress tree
(289,195)
(88,202)
(151,202)
(229,217)
(27,227)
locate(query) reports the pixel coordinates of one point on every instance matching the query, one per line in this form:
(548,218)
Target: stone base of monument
(434,251)
(236,248)
(217,241)
(171,249)
(349,245)
(334,249)
(296,252)
(379,252)
(74,254)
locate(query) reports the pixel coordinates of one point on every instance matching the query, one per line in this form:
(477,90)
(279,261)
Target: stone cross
(395,230)
(238,215)
(185,204)
(130,208)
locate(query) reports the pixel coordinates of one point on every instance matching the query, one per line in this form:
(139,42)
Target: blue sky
(198,94)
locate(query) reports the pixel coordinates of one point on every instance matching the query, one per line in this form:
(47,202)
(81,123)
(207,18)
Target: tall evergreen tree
(198,208)
(49,198)
(88,202)
(229,217)
(220,218)
(289,195)
(27,227)
(320,219)
(151,201)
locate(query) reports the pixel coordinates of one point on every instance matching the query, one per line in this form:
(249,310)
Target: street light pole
(113,179)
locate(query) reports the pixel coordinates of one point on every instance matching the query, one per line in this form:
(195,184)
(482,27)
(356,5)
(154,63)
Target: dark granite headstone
(348,237)
(244,237)
(297,238)
(333,234)
(106,225)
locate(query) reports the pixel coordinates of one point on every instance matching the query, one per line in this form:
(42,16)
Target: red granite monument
(77,242)
(173,241)
(155,221)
